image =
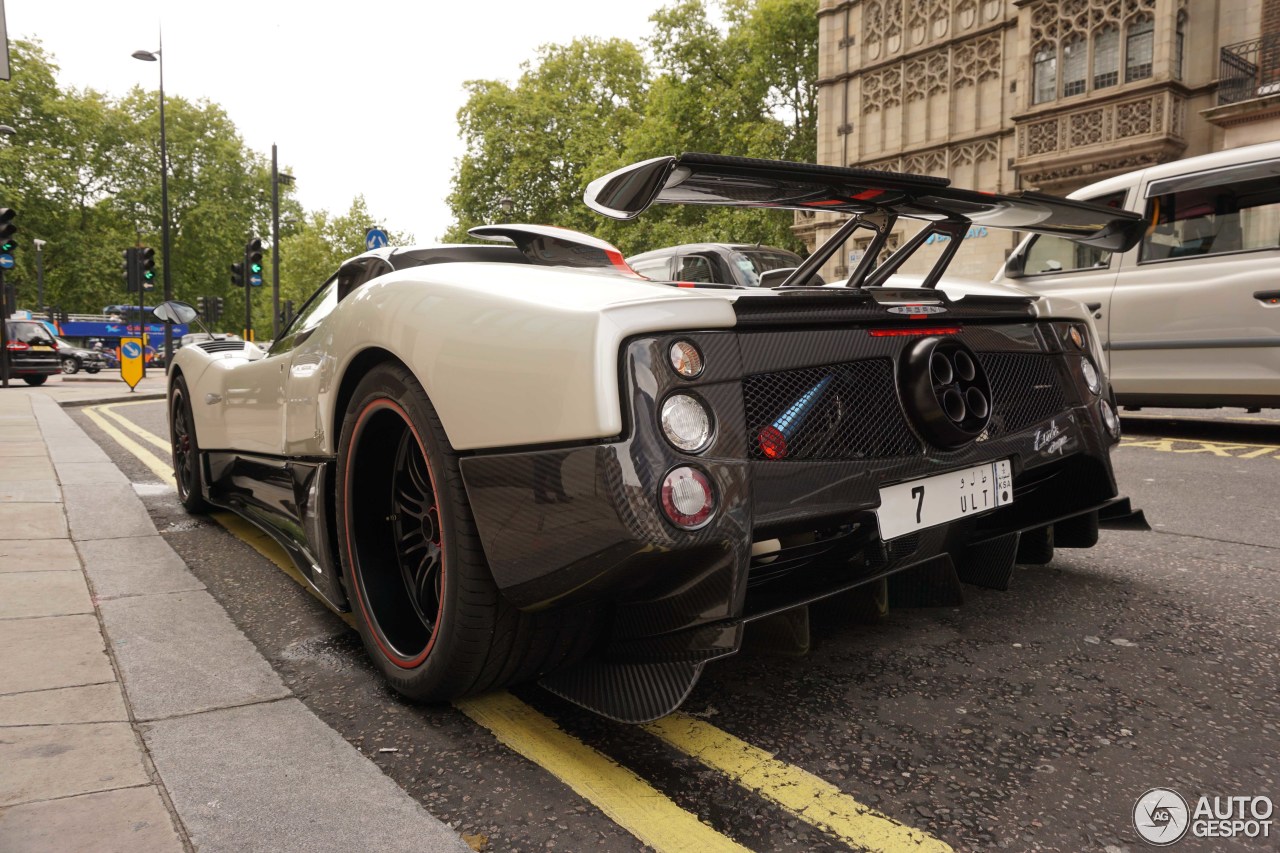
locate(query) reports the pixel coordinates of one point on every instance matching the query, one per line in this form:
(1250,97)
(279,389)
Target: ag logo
(917,309)
(1161,817)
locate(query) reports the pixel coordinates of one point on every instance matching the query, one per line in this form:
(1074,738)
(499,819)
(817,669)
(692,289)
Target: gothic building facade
(1026,94)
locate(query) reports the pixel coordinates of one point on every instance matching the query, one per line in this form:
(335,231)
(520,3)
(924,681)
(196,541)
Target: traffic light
(202,306)
(146,267)
(129,270)
(237,275)
(7,229)
(217,309)
(253,261)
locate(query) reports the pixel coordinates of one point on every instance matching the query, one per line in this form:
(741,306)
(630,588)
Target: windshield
(753,262)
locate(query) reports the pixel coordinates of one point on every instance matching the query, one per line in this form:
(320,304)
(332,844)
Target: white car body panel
(498,347)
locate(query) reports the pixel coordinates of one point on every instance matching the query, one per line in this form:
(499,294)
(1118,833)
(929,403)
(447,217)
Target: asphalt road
(1030,719)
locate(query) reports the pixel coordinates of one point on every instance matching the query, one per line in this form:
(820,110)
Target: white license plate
(915,505)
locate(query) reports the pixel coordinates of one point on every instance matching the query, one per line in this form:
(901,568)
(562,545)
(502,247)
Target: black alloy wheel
(429,613)
(186,451)
(399,546)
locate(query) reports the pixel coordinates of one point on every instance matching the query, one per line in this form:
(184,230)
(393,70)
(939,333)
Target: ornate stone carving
(1086,128)
(1042,137)
(966,14)
(1085,170)
(1134,118)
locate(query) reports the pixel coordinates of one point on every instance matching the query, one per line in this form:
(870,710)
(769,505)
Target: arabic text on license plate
(915,505)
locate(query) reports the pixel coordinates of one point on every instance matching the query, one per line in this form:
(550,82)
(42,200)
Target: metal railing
(1249,69)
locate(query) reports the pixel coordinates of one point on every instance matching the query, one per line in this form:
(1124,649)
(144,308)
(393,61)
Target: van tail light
(19,346)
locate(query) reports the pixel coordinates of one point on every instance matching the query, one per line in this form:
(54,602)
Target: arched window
(1044,82)
(1106,56)
(1138,48)
(1075,65)
(1179,45)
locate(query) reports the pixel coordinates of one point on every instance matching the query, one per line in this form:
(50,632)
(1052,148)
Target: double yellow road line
(628,800)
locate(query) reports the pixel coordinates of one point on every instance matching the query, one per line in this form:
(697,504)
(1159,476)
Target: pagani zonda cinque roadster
(524,461)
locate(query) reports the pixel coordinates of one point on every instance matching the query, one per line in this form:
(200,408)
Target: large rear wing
(874,200)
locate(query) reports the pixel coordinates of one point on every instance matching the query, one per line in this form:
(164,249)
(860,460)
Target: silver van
(1190,317)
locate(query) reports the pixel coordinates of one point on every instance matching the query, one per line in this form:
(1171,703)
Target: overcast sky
(359,97)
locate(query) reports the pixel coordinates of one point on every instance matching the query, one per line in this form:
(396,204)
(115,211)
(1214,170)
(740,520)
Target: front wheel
(70,366)
(186,449)
(35,380)
(92,370)
(425,602)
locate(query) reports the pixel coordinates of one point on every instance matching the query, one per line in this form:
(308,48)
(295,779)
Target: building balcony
(1249,69)
(1248,102)
(1064,149)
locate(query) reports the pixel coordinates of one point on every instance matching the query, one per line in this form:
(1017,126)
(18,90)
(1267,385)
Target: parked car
(33,353)
(75,359)
(1190,316)
(516,462)
(739,264)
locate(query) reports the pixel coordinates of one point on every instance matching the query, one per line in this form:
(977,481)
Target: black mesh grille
(1026,389)
(841,411)
(221,346)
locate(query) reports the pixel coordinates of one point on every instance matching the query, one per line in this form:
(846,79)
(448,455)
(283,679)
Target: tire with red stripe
(423,597)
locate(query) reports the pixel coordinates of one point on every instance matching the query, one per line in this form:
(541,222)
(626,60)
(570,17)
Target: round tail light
(1091,376)
(687,498)
(685,359)
(686,423)
(1109,419)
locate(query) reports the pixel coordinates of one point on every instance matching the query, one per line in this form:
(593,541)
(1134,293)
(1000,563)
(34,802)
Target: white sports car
(525,461)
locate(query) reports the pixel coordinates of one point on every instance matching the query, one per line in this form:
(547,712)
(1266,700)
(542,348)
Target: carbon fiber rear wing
(874,200)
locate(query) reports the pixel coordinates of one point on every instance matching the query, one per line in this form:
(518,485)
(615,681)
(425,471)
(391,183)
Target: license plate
(39,348)
(915,505)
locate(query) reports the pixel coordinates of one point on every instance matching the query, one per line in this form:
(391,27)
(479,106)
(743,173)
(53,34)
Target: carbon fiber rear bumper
(566,526)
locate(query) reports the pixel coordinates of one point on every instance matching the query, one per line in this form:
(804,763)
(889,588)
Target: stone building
(1036,94)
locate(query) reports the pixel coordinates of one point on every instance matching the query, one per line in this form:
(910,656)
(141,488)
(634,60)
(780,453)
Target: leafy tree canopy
(747,87)
(83,170)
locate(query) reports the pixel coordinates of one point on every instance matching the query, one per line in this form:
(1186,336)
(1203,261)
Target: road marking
(144,434)
(628,800)
(160,468)
(1215,448)
(623,796)
(808,797)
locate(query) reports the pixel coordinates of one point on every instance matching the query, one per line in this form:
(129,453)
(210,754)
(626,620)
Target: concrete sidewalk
(134,715)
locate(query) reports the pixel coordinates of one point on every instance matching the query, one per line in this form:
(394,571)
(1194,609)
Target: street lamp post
(277,178)
(5,130)
(39,244)
(153,56)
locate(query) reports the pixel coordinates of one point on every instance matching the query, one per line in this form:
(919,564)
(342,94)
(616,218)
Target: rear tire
(187,470)
(424,599)
(35,380)
(70,366)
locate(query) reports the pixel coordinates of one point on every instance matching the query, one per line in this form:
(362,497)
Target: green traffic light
(149,275)
(255,268)
(8,246)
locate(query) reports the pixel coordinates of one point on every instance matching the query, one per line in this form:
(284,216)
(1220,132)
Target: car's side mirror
(1013,266)
(175,312)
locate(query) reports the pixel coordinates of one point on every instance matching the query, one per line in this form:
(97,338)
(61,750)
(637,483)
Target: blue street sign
(6,262)
(255,280)
(131,349)
(375,238)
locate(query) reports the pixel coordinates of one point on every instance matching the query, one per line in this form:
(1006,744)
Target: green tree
(746,88)
(316,246)
(534,142)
